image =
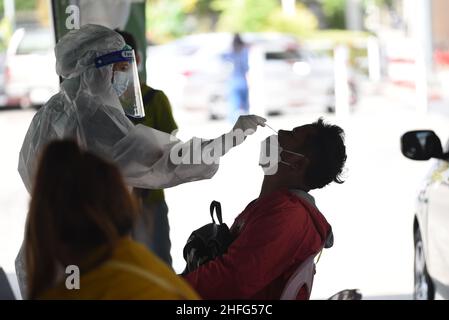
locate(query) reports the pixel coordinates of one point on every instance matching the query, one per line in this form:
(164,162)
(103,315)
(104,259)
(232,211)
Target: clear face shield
(125,80)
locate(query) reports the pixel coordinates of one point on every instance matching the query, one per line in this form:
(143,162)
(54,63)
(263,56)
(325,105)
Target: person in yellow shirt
(80,219)
(152,228)
(132,272)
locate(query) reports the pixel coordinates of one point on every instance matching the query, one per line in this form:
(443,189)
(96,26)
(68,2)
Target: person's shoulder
(160,94)
(144,88)
(146,275)
(55,103)
(172,284)
(157,94)
(281,197)
(278,202)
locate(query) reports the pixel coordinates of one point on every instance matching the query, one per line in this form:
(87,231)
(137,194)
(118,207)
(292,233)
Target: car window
(283,55)
(35,42)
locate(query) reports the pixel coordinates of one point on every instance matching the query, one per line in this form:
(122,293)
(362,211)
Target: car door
(438,224)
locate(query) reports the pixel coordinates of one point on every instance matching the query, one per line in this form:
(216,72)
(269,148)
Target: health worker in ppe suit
(88,108)
(97,67)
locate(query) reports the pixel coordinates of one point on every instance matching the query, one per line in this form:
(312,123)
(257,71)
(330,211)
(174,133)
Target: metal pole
(353,12)
(423,36)
(54,19)
(374,59)
(10,13)
(341,56)
(53,6)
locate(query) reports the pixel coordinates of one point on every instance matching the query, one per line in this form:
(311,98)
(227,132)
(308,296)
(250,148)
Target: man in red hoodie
(283,227)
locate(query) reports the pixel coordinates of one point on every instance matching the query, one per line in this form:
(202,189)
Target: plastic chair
(348,294)
(302,277)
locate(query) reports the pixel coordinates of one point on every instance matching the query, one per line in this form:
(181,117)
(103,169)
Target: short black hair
(327,153)
(237,42)
(129,39)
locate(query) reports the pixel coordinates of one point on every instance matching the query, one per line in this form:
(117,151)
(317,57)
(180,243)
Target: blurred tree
(5,33)
(6,28)
(25,5)
(334,11)
(204,10)
(302,22)
(381,3)
(171,19)
(244,15)
(20,5)
(166,20)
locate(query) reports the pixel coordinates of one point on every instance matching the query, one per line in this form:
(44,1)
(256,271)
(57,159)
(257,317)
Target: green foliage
(5,33)
(334,11)
(303,22)
(165,19)
(25,5)
(19,5)
(244,15)
(171,19)
(205,8)
(381,3)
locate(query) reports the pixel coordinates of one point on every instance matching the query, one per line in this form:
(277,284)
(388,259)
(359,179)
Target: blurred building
(411,30)
(424,20)
(440,24)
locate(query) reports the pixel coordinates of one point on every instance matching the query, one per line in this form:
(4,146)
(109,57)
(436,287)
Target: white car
(190,70)
(431,218)
(30,77)
(283,77)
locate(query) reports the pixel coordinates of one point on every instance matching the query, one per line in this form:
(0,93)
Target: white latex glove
(245,126)
(248,124)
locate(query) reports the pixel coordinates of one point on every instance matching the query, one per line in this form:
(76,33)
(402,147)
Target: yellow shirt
(132,273)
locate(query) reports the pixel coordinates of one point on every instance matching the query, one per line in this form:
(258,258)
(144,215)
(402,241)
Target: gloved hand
(245,126)
(248,124)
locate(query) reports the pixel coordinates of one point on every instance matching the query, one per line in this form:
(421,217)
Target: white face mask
(120,83)
(270,155)
(291,152)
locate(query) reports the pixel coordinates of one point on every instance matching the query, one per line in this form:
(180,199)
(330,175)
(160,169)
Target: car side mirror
(421,145)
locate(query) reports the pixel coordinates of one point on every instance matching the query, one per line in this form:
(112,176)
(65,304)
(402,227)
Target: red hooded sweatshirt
(273,236)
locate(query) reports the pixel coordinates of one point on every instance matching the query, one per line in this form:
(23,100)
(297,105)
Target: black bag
(207,242)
